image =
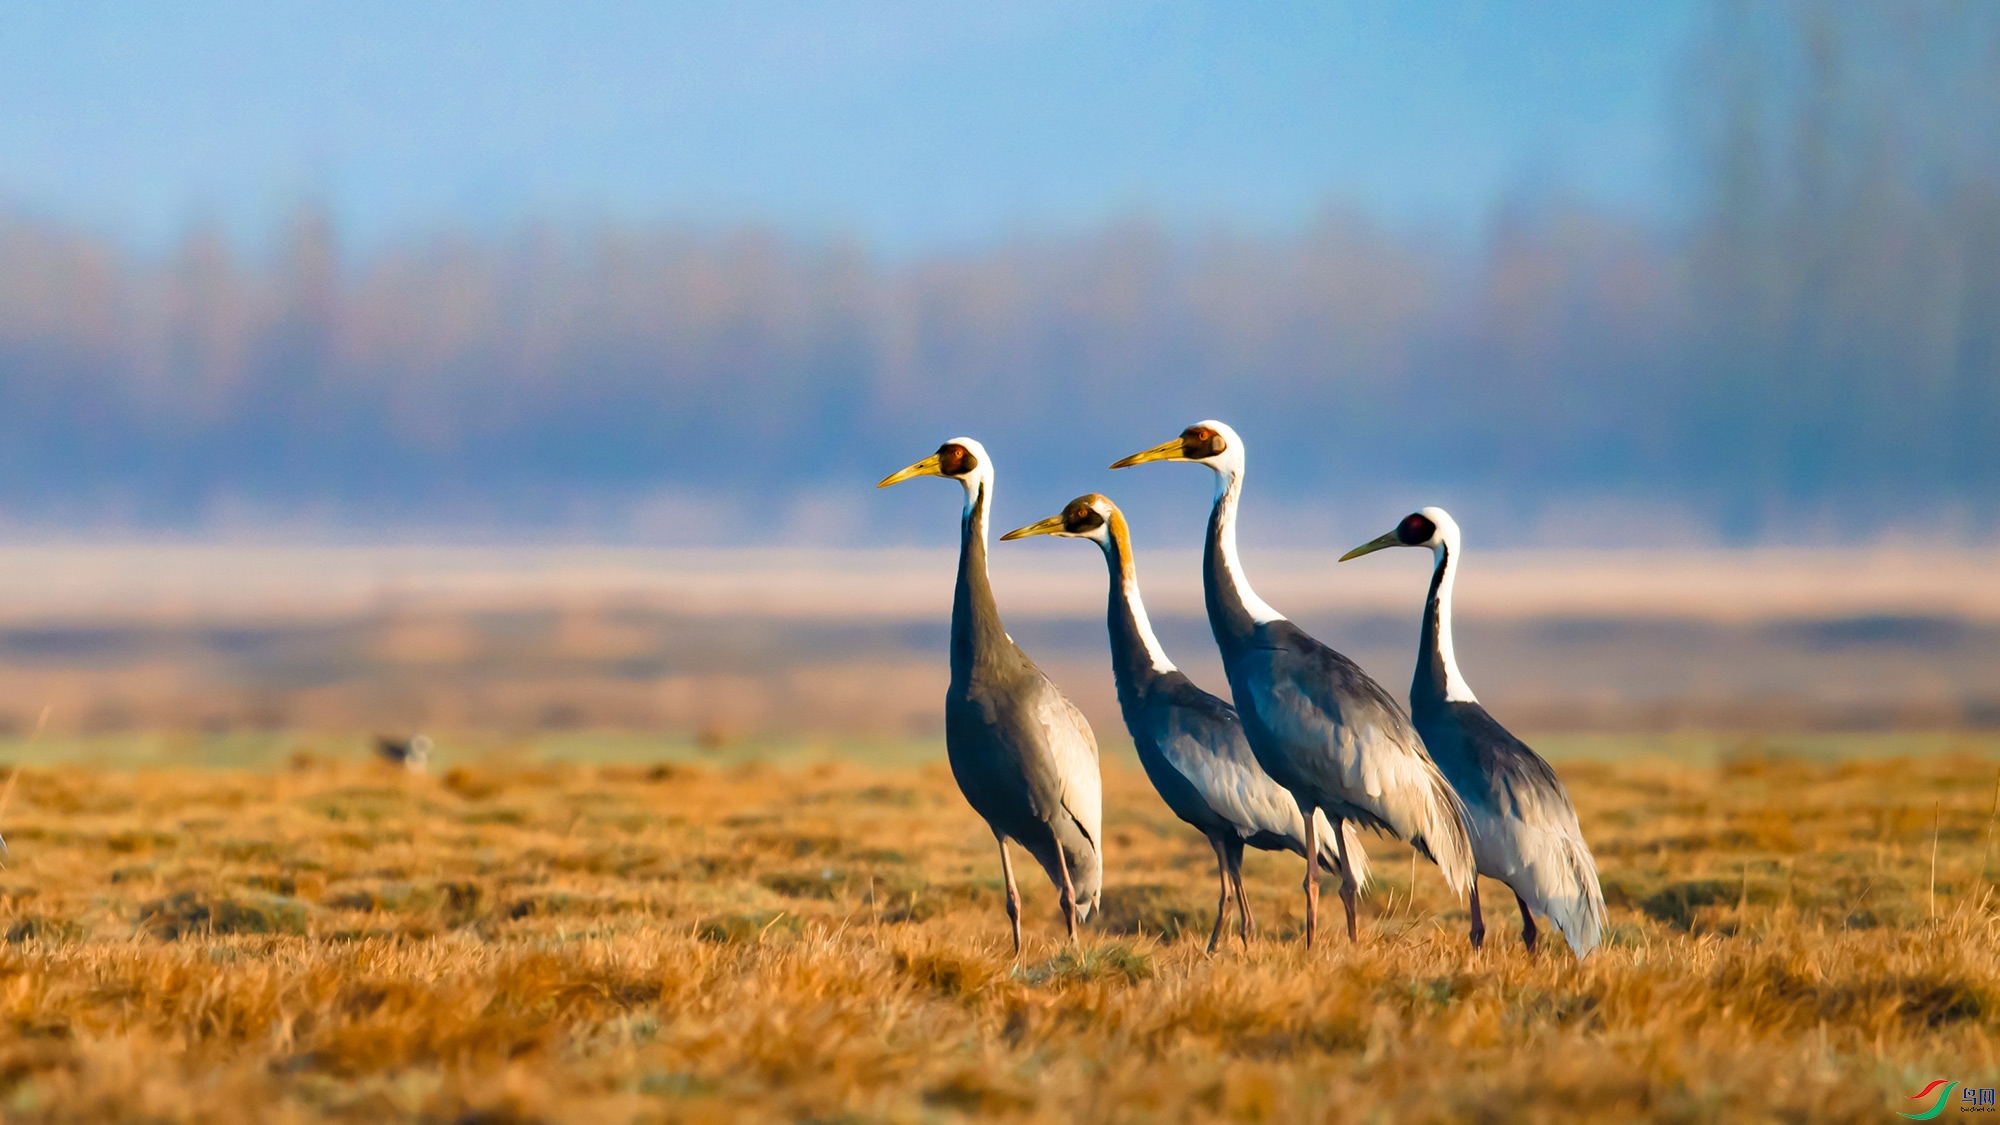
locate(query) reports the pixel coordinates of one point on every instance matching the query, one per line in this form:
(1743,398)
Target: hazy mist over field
(1795,337)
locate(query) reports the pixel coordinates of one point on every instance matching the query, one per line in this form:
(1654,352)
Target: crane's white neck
(1444,555)
(1228,491)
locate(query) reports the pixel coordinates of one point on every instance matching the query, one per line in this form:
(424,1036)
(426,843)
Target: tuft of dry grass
(521,942)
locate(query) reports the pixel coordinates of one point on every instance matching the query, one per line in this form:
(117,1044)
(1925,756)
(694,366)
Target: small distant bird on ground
(1320,726)
(1189,741)
(1022,753)
(413,754)
(1523,826)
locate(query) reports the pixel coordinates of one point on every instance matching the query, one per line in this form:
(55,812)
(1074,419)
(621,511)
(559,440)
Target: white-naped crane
(1523,826)
(1319,725)
(1190,742)
(1022,753)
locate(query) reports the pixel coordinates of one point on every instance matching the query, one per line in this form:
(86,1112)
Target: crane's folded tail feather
(1551,868)
(1571,895)
(1086,868)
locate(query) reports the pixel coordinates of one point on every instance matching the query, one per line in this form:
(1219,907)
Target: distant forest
(1811,350)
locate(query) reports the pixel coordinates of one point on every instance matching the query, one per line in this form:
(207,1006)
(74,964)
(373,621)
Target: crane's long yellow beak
(1372,546)
(928,467)
(1165,451)
(1046,527)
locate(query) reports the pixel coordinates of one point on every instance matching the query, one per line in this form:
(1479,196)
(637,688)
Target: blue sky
(912,126)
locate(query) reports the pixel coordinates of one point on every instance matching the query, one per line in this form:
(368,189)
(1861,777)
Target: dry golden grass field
(516,938)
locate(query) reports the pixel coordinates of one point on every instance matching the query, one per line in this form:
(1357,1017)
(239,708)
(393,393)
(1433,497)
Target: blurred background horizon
(1683,274)
(427,362)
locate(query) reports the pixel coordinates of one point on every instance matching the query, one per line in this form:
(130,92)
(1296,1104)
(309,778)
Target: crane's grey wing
(1200,737)
(1369,755)
(1073,750)
(1520,783)
(1078,821)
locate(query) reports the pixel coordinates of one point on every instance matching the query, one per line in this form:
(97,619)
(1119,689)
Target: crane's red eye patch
(956,460)
(1198,442)
(1415,530)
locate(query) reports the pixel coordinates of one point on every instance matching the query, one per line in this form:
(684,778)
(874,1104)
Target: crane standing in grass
(1319,725)
(1190,742)
(1022,753)
(1523,826)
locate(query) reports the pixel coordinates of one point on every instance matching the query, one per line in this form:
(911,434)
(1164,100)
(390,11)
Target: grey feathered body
(1192,747)
(1324,729)
(1523,826)
(1022,754)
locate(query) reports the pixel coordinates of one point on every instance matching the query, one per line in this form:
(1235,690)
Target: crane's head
(1207,443)
(1087,517)
(961,459)
(1430,527)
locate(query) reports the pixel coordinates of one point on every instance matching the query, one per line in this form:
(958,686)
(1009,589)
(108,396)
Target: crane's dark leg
(1312,876)
(1221,899)
(1013,893)
(1068,893)
(1349,889)
(1249,928)
(1528,931)
(1478,922)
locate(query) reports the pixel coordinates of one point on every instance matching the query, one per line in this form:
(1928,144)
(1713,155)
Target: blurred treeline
(1810,348)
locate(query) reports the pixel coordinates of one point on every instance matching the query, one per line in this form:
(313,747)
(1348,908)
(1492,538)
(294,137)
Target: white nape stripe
(972,504)
(1455,688)
(979,484)
(1154,652)
(1228,490)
